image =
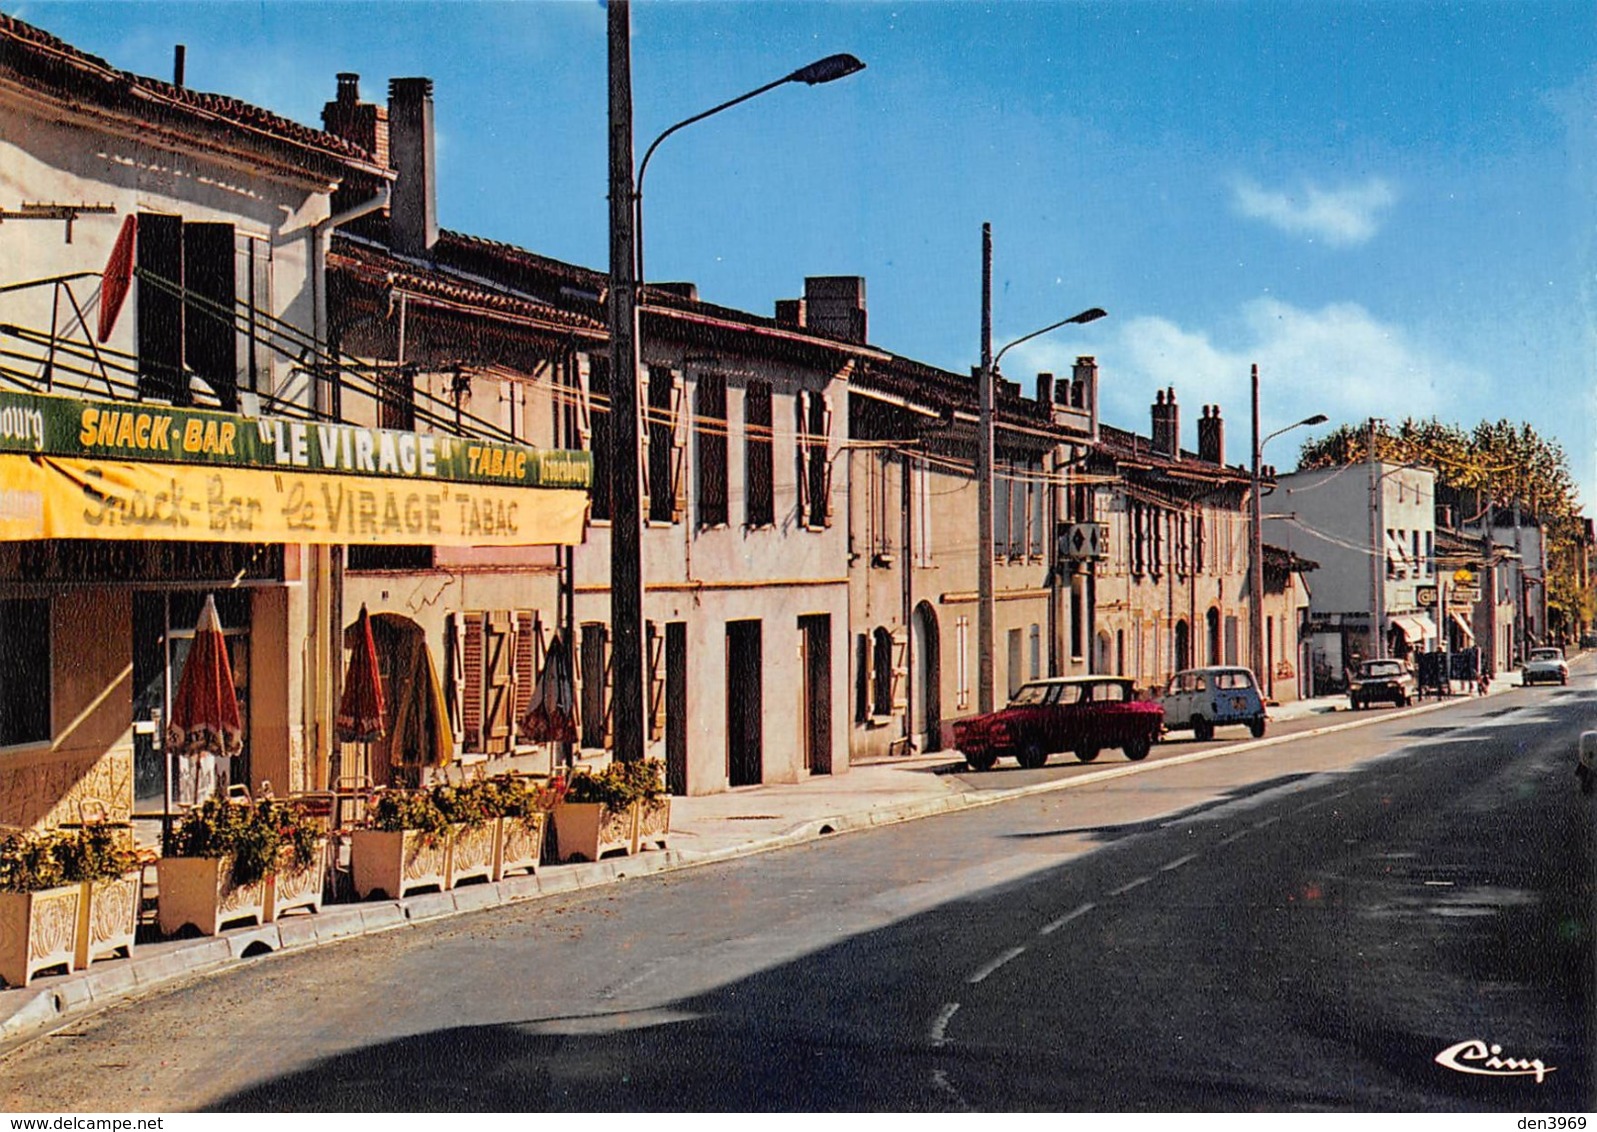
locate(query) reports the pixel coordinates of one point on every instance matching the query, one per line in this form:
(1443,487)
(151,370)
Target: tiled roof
(1127,447)
(42,61)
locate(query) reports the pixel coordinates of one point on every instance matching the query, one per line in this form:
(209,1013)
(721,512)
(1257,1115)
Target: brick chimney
(1167,424)
(1045,388)
(363,123)
(1083,393)
(413,227)
(1211,436)
(835,307)
(790,313)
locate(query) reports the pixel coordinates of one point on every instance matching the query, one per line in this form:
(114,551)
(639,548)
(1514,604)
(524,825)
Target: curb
(154,966)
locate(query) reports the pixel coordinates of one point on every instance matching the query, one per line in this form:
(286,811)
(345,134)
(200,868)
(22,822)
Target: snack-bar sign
(39,424)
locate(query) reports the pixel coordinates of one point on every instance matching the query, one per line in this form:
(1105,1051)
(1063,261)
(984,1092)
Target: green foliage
(399,810)
(619,784)
(30,862)
(259,839)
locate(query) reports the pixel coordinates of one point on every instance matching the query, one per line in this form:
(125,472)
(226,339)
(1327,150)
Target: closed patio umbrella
(362,713)
(205,727)
(551,715)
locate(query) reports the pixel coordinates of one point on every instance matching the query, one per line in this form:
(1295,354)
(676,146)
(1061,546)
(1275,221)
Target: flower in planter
(96,852)
(255,837)
(28,863)
(398,810)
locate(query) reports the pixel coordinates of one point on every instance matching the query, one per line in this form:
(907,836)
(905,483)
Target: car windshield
(1546,654)
(1030,694)
(1384,668)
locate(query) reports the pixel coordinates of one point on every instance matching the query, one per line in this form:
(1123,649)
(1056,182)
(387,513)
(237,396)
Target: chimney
(361,123)
(1045,388)
(1211,436)
(1084,388)
(835,307)
(413,226)
(688,291)
(790,313)
(1166,425)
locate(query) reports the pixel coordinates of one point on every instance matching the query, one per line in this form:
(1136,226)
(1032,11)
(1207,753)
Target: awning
(1417,627)
(1463,625)
(45,497)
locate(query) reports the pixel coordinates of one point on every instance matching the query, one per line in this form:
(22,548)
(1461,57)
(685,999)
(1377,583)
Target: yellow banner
(50,497)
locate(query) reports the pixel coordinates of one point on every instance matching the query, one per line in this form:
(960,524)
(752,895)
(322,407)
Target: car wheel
(1354,703)
(1257,727)
(1032,756)
(983,761)
(1403,700)
(1138,749)
(1563,680)
(1087,754)
(1202,729)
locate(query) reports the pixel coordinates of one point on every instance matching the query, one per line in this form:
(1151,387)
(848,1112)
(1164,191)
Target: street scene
(451,661)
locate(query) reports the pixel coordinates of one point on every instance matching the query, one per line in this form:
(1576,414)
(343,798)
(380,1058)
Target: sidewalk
(707,828)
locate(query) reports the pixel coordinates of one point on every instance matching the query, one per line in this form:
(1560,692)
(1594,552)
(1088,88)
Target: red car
(1084,714)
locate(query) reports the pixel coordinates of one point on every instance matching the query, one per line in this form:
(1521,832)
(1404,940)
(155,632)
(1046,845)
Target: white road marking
(1177,863)
(940,1079)
(940,1027)
(1265,822)
(1125,888)
(1237,836)
(1050,928)
(995,964)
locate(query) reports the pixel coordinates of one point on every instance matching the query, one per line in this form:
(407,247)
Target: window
(862,678)
(396,398)
(881,510)
(882,674)
(496,656)
(24,671)
(1156,519)
(759,489)
(594,667)
(1014,643)
(1078,644)
(383,556)
(665,446)
(1036,652)
(1197,544)
(922,531)
(962,662)
(815,467)
(600,433)
(1430,552)
(201,295)
(710,425)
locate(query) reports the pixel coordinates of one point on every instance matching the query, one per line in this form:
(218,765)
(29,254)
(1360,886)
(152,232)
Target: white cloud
(1342,216)
(1339,360)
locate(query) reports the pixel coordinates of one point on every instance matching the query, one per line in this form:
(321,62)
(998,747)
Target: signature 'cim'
(1475,1056)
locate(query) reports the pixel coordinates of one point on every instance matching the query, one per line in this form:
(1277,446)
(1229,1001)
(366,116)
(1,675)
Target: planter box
(38,930)
(200,891)
(471,852)
(654,822)
(588,830)
(520,844)
(108,918)
(395,864)
(294,889)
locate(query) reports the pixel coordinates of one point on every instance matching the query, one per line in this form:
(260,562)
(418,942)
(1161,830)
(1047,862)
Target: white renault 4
(1206,698)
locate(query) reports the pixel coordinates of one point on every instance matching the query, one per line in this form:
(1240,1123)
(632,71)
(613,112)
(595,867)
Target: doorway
(676,707)
(929,682)
(745,674)
(815,646)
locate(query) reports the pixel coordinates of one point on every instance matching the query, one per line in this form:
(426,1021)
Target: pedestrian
(1483,685)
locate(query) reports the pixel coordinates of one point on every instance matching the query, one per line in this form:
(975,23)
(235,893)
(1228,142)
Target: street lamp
(1256,537)
(628,673)
(984,467)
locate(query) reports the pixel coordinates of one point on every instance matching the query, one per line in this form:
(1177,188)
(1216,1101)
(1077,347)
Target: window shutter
(801,453)
(471,654)
(528,654)
(584,407)
(679,448)
(499,651)
(823,444)
(900,686)
(609,698)
(457,679)
(656,683)
(646,414)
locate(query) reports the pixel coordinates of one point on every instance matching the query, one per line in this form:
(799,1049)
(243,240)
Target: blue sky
(1389,207)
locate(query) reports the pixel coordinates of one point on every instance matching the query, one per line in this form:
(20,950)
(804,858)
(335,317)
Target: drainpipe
(326,575)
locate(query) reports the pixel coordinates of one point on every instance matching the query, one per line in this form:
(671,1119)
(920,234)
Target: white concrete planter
(472,852)
(654,823)
(520,845)
(38,930)
(108,917)
(200,891)
(398,863)
(300,889)
(588,830)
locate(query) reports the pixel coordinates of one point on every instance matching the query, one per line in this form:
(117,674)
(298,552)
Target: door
(928,654)
(815,644)
(745,675)
(676,707)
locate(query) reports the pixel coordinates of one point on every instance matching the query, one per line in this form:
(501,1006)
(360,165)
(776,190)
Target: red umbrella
(362,713)
(551,716)
(205,717)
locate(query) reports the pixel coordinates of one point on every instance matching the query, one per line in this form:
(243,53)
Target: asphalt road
(1301,926)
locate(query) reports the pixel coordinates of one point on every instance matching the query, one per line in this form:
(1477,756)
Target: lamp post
(984,466)
(1256,537)
(628,672)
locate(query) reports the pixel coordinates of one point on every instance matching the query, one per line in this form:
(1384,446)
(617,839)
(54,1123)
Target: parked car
(1382,681)
(1588,640)
(1545,666)
(1206,698)
(1083,714)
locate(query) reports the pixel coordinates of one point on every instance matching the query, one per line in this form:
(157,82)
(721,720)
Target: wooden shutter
(471,701)
(679,448)
(456,660)
(900,685)
(528,659)
(498,686)
(656,642)
(158,309)
(823,446)
(583,415)
(645,376)
(210,344)
(801,452)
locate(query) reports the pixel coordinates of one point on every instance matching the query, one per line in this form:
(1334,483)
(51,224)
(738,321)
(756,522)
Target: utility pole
(1377,553)
(1256,558)
(984,487)
(626,524)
